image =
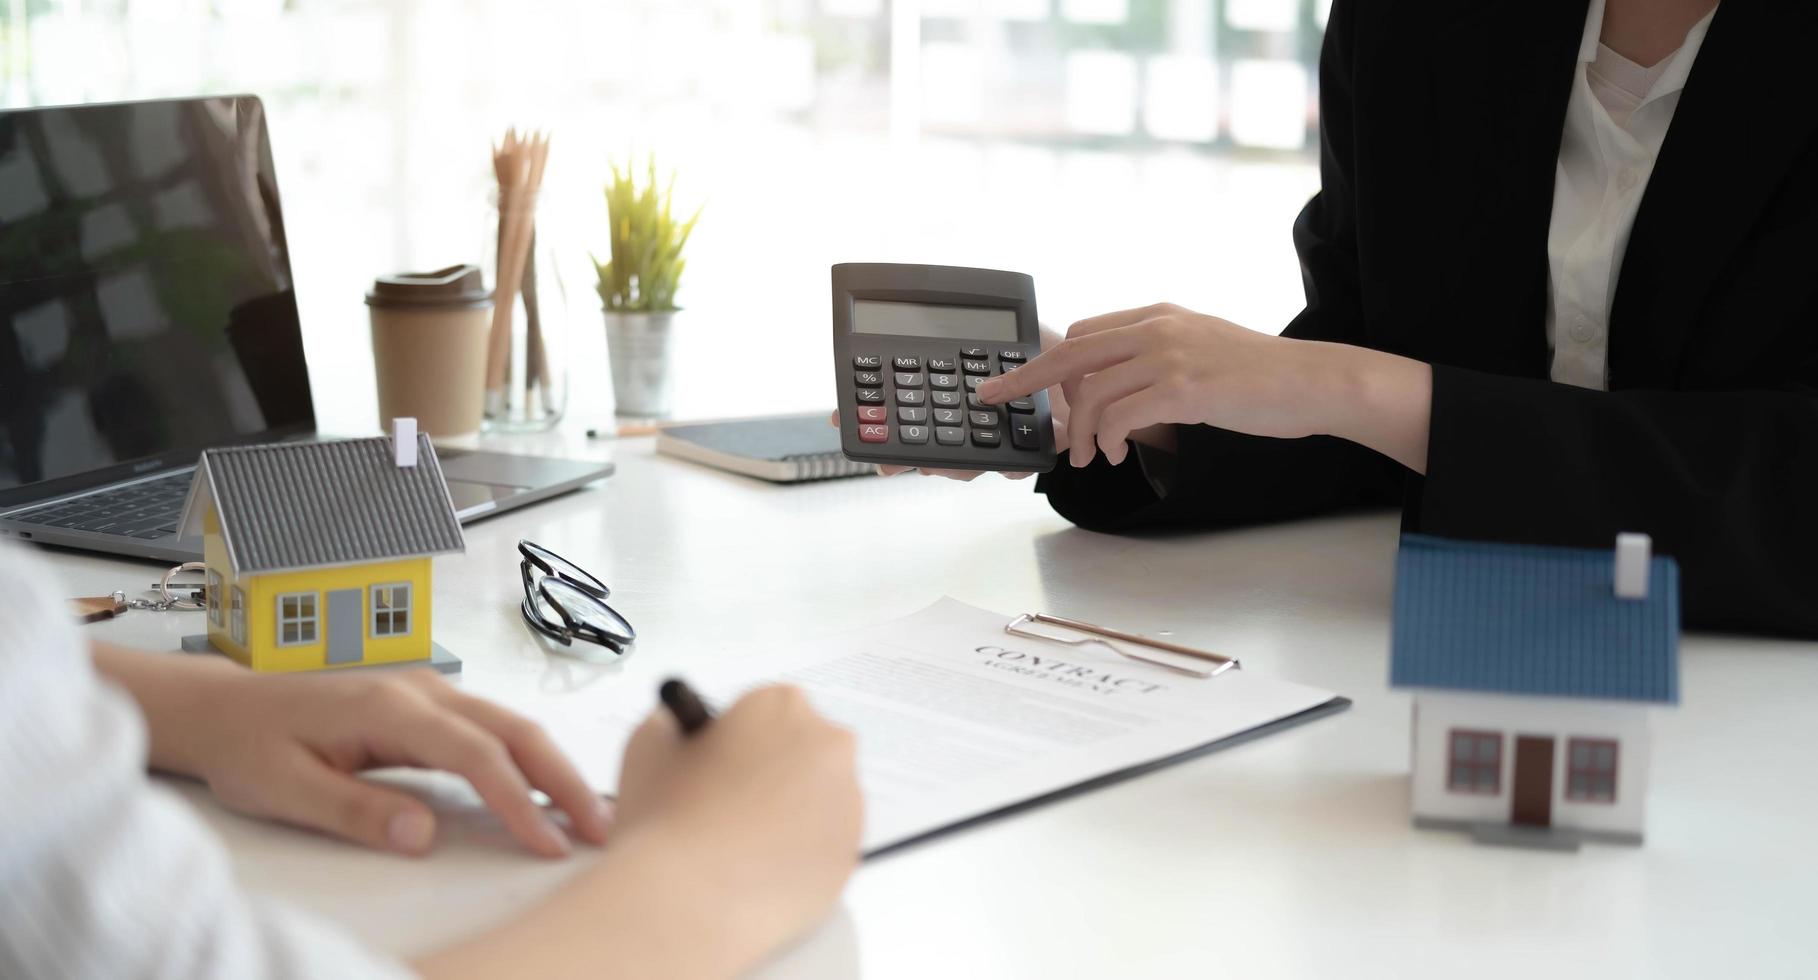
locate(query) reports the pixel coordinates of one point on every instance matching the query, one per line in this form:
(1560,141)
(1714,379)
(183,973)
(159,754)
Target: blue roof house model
(1533,671)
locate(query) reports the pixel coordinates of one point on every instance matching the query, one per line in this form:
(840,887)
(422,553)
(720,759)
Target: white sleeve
(103,874)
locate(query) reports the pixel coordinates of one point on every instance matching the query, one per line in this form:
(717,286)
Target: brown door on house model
(1532,805)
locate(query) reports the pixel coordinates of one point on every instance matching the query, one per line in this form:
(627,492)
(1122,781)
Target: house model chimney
(1633,552)
(404,441)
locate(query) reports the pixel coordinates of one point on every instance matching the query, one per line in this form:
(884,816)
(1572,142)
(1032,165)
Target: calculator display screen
(924,320)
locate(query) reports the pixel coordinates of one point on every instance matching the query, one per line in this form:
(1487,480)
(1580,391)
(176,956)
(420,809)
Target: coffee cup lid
(455,286)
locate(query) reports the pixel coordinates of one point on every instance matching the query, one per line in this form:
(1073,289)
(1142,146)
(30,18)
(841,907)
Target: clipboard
(1337,704)
(1101,636)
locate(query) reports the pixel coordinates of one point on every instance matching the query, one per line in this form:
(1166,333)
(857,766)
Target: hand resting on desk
(726,844)
(289,748)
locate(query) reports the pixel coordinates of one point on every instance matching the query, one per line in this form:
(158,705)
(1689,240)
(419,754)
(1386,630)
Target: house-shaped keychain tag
(318,553)
(1534,671)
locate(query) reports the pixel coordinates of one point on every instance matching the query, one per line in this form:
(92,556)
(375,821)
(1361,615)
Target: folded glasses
(566,603)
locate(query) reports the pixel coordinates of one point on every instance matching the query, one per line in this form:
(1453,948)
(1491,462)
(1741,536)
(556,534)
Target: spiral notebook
(787,449)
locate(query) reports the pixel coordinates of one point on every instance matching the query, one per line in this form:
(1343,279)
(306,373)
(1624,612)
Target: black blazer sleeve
(1726,482)
(1225,478)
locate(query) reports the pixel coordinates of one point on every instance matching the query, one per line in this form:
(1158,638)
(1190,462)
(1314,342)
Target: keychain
(94,609)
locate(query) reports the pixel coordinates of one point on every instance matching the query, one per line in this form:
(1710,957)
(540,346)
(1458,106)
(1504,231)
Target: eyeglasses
(565,603)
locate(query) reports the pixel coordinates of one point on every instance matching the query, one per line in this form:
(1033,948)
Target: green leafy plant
(646,262)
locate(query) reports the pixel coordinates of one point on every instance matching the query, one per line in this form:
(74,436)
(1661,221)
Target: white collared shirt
(103,874)
(1615,123)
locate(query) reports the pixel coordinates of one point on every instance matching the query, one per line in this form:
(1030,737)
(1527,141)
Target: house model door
(345,627)
(1532,800)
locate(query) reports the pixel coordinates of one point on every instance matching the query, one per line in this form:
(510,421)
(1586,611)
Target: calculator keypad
(934,400)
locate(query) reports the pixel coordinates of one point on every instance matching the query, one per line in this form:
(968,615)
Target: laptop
(147,313)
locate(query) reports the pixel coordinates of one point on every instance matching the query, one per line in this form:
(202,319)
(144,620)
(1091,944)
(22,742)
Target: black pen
(686,705)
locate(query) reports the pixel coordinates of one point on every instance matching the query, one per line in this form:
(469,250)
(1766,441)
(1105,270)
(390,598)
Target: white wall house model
(1534,670)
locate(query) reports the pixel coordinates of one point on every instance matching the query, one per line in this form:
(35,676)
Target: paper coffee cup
(429,333)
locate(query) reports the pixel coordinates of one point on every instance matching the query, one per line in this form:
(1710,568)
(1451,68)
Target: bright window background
(1121,151)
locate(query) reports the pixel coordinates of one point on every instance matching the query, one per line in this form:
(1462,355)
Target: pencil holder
(528,343)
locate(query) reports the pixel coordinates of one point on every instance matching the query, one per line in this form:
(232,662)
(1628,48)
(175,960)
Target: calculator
(911,343)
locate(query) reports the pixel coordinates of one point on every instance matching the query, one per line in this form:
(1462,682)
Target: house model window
(1476,762)
(237,616)
(391,609)
(297,618)
(1591,772)
(214,597)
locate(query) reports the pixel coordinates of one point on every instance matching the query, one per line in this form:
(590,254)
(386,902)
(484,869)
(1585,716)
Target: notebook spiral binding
(826,466)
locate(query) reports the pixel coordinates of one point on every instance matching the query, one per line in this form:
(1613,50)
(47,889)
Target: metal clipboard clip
(1101,636)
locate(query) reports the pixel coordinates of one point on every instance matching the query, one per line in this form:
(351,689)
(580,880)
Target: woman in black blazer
(1418,373)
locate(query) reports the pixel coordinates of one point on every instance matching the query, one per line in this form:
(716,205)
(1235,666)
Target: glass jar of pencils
(527,347)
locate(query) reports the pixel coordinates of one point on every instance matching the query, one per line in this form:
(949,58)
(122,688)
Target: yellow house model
(318,554)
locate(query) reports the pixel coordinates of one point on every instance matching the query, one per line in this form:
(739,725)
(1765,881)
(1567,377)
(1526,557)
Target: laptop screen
(146,304)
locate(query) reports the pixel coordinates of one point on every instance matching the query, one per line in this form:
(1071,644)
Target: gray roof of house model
(304,505)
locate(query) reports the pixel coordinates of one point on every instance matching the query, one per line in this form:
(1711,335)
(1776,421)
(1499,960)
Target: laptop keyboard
(150,509)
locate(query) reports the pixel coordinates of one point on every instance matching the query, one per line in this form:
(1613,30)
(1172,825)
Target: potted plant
(637,286)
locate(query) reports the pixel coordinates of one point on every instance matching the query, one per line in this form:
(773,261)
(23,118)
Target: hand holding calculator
(911,343)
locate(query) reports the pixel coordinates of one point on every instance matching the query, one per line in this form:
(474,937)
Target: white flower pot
(638,346)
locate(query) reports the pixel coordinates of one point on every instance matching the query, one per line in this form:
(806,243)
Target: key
(906,363)
(916,415)
(947,435)
(905,380)
(874,433)
(1023,435)
(913,434)
(948,381)
(911,396)
(871,396)
(873,413)
(990,438)
(949,416)
(869,379)
(863,361)
(986,420)
(1024,405)
(976,367)
(944,364)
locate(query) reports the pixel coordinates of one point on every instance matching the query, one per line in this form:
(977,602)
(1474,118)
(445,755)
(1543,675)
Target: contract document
(958,721)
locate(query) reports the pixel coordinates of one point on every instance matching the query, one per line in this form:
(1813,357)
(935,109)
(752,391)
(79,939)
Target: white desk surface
(1290,856)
